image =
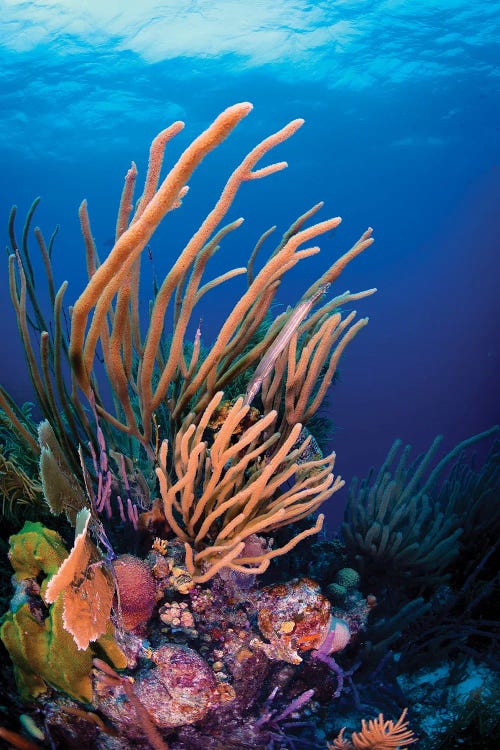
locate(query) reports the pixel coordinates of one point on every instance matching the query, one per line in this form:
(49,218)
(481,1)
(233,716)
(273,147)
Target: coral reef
(229,472)
(179,474)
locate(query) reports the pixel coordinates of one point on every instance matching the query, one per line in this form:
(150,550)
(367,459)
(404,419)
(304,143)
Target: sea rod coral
(194,383)
(150,377)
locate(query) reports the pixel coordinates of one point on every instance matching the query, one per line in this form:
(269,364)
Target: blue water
(401,107)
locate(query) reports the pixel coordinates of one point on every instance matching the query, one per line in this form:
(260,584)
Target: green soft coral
(43,652)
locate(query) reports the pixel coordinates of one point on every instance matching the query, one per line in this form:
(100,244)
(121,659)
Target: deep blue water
(402,109)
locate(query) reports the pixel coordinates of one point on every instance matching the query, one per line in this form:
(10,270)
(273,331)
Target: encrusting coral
(34,551)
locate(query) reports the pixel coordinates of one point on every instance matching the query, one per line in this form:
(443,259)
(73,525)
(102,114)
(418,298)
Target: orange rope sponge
(377,734)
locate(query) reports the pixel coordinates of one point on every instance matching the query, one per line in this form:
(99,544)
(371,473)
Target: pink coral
(137,591)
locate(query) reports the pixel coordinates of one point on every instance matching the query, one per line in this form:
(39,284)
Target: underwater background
(401,106)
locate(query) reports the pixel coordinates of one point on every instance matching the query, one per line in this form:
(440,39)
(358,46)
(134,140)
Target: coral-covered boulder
(294,617)
(137,591)
(180,690)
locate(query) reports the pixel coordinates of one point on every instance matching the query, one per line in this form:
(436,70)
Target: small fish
(280,342)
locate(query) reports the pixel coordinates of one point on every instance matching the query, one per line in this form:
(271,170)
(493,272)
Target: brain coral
(137,590)
(348,577)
